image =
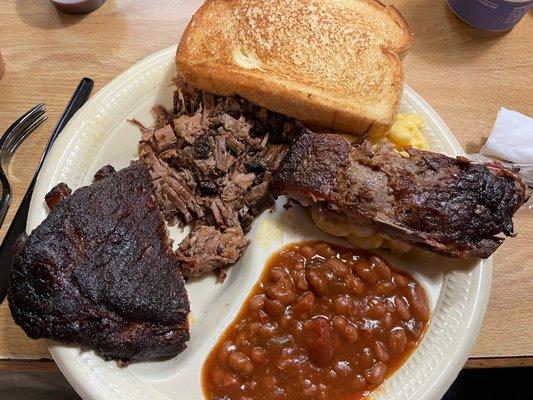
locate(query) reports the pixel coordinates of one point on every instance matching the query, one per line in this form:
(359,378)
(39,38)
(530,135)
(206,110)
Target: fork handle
(18,225)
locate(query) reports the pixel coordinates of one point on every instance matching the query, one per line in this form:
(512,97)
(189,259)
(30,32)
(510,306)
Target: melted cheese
(407,131)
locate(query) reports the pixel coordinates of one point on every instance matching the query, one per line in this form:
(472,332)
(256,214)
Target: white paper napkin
(511,138)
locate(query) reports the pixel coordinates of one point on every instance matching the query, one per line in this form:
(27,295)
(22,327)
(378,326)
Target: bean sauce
(323,322)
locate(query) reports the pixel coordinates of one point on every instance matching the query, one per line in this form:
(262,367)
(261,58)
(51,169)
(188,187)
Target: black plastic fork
(10,141)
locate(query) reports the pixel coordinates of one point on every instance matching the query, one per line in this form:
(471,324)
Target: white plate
(100,134)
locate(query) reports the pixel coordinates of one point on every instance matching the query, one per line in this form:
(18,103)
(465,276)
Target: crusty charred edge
(47,296)
(498,169)
(57,194)
(104,172)
(20,243)
(298,168)
(483,248)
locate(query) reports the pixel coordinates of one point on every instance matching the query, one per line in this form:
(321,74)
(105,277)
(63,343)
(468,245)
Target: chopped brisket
(207,248)
(164,138)
(445,205)
(100,271)
(211,161)
(258,198)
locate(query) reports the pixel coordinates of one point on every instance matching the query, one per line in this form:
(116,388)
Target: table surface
(465,74)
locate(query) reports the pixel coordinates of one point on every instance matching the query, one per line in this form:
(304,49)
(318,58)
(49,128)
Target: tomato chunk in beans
(323,322)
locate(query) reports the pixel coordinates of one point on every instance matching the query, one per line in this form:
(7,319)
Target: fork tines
(20,129)
(14,136)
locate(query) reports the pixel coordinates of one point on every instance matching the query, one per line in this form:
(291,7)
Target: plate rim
(87,385)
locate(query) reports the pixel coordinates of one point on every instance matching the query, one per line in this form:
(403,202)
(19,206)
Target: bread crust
(404,26)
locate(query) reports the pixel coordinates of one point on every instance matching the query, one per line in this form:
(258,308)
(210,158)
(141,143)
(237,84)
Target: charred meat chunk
(56,194)
(104,172)
(99,271)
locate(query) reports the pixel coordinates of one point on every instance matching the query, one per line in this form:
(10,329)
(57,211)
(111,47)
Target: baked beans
(323,322)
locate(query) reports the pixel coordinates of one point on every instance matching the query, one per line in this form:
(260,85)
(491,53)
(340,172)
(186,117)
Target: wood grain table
(465,74)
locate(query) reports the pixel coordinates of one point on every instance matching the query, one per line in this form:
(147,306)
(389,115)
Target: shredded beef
(208,248)
(211,160)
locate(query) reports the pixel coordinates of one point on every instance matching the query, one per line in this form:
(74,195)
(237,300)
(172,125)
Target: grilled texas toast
(330,63)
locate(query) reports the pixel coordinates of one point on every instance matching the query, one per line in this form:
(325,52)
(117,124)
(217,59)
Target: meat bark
(446,205)
(100,271)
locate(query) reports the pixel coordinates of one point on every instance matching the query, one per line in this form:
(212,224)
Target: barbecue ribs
(446,205)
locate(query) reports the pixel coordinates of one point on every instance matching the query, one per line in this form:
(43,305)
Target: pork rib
(446,205)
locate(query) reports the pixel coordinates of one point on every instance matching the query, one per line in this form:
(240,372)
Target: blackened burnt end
(104,172)
(99,271)
(56,194)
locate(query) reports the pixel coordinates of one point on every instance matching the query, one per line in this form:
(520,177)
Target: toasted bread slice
(330,63)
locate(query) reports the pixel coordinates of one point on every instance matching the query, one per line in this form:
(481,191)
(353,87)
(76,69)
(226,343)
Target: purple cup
(490,15)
